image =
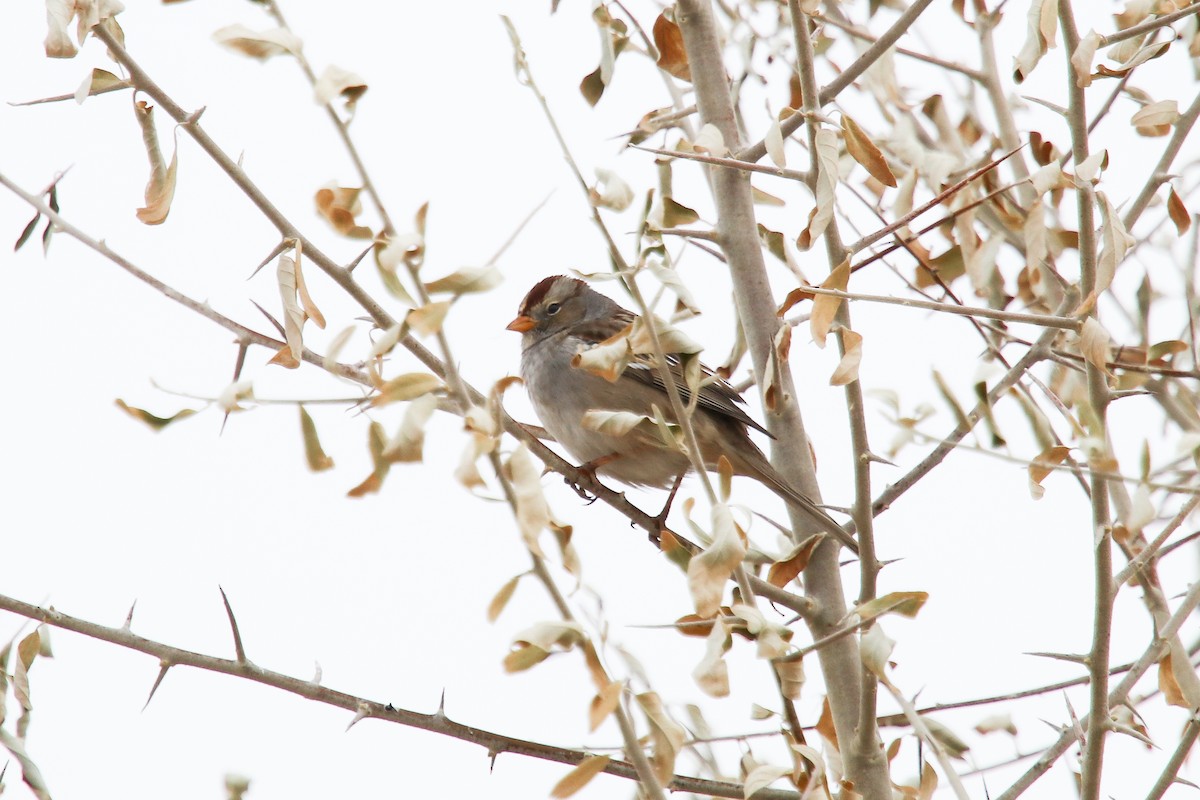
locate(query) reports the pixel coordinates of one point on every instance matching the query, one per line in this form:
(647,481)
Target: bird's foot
(589,470)
(660,521)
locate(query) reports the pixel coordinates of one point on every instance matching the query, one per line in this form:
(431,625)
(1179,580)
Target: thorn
(129,617)
(441,709)
(237,637)
(316,678)
(194,117)
(492,756)
(871,457)
(282,247)
(1068,657)
(162,673)
(243,347)
(350,267)
(272,320)
(363,712)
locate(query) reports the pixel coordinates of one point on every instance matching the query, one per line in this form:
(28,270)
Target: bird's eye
(553,309)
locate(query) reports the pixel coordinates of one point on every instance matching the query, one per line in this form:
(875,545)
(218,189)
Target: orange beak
(521,324)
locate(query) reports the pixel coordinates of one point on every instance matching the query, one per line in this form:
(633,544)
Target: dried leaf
(339,205)
(1042,466)
(160,189)
(785,570)
(408,443)
(1081,59)
(791,678)
(996,723)
(293,314)
(99,82)
(155,423)
(1094,344)
(876,648)
(1164,112)
(610,191)
(580,776)
(827,178)
(1178,212)
(376,440)
(614,423)
(710,141)
(774,142)
(428,318)
(781,344)
(825,306)
(864,151)
(314,454)
(533,513)
(675,214)
(1042,29)
(467,280)
(906,604)
(500,600)
(336,81)
(708,571)
(259,44)
(407,386)
(603,704)
(672,57)
(847,369)
(1168,684)
(761,777)
(1116,243)
(667,735)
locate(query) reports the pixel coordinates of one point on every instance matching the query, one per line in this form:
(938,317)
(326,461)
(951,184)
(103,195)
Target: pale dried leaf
(293,314)
(259,44)
(827,179)
(761,777)
(708,571)
(1081,59)
(408,443)
(336,81)
(1042,466)
(1042,28)
(533,513)
(608,359)
(1164,112)
(1090,167)
(160,189)
(604,703)
(825,306)
(981,265)
(710,141)
(613,423)
(996,723)
(1116,243)
(864,151)
(1178,212)
(428,318)
(467,280)
(666,734)
(99,81)
(610,191)
(580,776)
(876,648)
(847,369)
(551,635)
(407,386)
(386,341)
(791,678)
(774,142)
(314,454)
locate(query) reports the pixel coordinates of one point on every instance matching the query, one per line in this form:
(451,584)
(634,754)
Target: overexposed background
(388,593)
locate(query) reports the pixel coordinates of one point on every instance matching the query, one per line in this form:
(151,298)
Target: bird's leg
(660,522)
(589,469)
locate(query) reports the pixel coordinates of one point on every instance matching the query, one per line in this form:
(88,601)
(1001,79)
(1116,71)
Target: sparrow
(559,320)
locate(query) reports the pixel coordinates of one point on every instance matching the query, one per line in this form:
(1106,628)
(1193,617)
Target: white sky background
(388,593)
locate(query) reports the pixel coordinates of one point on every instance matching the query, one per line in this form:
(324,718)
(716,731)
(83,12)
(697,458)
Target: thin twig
(494,743)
